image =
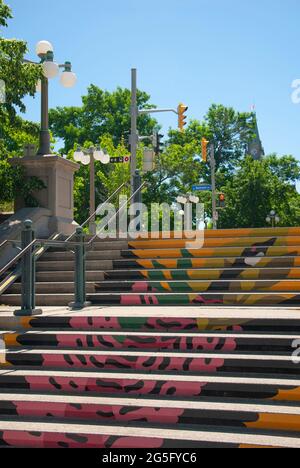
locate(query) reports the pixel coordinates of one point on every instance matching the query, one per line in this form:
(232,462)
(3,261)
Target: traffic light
(157,143)
(148,160)
(182,109)
(204,144)
(222,200)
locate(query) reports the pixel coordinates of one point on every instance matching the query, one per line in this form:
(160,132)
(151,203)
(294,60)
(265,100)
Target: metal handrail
(4,243)
(48,241)
(116,214)
(98,209)
(17,258)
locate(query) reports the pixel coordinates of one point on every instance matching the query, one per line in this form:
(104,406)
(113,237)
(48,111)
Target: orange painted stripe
(283,422)
(215,242)
(10,339)
(287,395)
(250,232)
(221,252)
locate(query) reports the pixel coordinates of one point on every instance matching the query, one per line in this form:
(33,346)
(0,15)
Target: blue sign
(202,188)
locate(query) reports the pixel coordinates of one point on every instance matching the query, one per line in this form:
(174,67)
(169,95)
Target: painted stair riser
(248,252)
(120,414)
(150,324)
(244,263)
(221,233)
(166,299)
(192,286)
(255,252)
(146,363)
(201,299)
(213,243)
(123,342)
(166,286)
(212,274)
(128,387)
(32,439)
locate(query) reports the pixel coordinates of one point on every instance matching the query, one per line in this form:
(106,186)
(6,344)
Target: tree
(230,131)
(20,80)
(102,113)
(255,189)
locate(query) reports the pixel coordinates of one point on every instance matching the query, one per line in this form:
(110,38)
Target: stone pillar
(57,174)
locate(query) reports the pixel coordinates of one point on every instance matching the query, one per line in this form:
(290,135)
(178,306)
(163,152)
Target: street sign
(120,160)
(202,188)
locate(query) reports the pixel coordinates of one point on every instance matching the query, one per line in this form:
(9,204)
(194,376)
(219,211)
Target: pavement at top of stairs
(165,311)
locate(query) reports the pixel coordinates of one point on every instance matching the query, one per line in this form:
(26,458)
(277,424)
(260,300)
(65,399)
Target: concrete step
(53,288)
(205,299)
(167,362)
(166,320)
(66,276)
(204,274)
(191,286)
(209,341)
(59,266)
(150,412)
(62,435)
(69,256)
(134,384)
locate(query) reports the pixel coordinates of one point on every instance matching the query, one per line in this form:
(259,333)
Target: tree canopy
(102,113)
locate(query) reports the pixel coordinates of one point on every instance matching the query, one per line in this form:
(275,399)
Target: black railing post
(80,272)
(28,307)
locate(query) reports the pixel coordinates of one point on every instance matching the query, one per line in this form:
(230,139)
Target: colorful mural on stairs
(231,272)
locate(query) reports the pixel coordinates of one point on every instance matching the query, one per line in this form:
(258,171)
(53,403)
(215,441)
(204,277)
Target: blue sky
(232,52)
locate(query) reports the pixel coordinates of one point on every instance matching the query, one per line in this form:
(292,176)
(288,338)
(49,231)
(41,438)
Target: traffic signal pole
(135,138)
(134,174)
(213,186)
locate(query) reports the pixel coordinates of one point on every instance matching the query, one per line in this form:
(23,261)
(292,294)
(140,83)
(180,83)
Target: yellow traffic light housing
(204,144)
(182,109)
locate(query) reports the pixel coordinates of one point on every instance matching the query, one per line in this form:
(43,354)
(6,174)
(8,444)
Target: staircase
(151,378)
(245,267)
(126,375)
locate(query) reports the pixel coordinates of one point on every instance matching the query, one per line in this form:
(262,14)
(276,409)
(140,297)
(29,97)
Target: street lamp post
(87,157)
(44,51)
(273,218)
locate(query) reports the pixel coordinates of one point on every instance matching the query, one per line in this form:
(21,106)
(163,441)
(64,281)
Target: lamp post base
(27,313)
(57,174)
(78,306)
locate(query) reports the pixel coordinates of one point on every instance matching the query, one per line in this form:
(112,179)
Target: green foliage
(14,183)
(5,13)
(20,80)
(256,189)
(101,113)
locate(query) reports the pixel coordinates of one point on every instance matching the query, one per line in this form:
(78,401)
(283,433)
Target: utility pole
(92,192)
(213,186)
(134,173)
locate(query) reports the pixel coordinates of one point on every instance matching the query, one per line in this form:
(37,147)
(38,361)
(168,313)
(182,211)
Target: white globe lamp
(43,47)
(50,69)
(105,158)
(68,79)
